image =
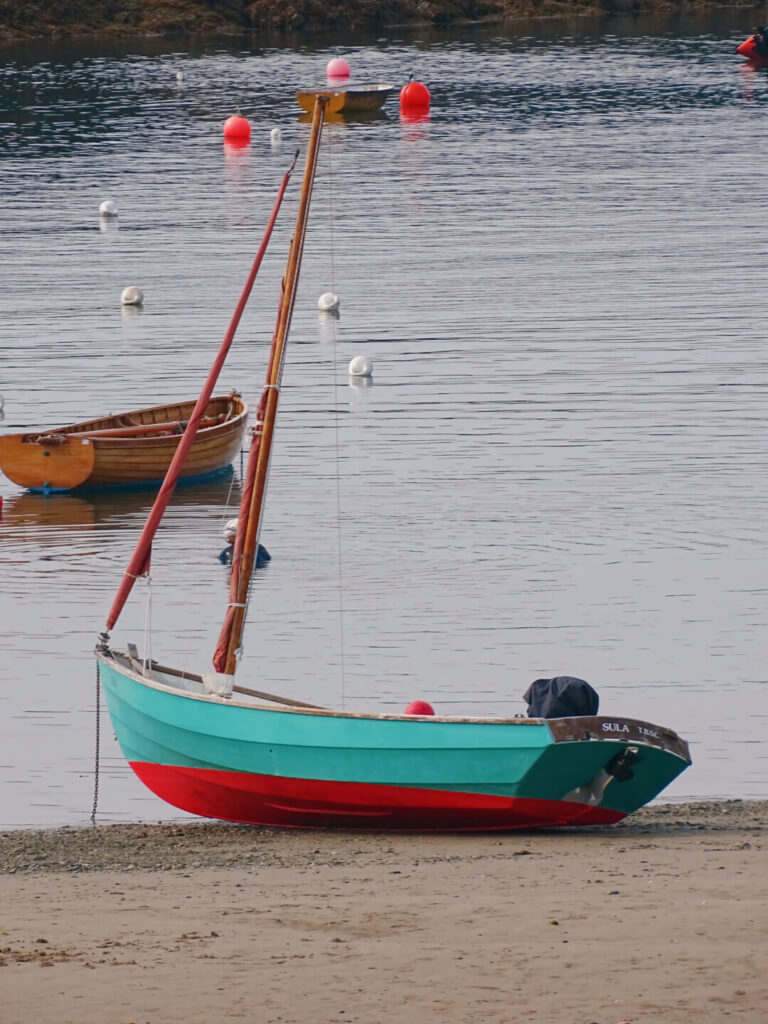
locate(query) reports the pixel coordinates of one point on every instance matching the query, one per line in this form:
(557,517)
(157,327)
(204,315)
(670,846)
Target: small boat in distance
(357,99)
(208,744)
(129,449)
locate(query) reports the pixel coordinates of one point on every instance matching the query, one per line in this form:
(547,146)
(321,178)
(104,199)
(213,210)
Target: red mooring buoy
(414,96)
(237,127)
(419,707)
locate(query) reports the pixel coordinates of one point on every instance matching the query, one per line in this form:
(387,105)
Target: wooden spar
(139,562)
(254,513)
(261,694)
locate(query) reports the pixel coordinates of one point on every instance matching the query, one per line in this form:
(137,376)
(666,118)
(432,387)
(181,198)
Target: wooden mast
(267,427)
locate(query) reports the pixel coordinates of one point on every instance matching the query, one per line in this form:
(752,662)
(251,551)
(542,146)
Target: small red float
(414,96)
(419,707)
(755,49)
(237,127)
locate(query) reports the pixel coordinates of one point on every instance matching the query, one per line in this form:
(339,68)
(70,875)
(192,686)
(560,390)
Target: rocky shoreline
(28,20)
(191,845)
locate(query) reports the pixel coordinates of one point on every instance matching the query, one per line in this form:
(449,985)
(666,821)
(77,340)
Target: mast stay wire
(337,431)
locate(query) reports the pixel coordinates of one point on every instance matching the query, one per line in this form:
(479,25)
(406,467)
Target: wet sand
(663,918)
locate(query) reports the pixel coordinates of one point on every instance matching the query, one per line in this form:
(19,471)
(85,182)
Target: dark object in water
(262,555)
(561,697)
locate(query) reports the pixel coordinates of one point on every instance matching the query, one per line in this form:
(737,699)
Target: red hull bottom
(303,803)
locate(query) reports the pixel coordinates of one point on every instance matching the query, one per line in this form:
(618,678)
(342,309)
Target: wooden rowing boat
(131,448)
(356,99)
(212,746)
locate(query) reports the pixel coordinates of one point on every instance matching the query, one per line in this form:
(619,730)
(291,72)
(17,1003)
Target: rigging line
(225,515)
(97,747)
(336,424)
(148,627)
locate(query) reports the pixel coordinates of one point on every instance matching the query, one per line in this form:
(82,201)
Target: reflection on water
(561,468)
(28,510)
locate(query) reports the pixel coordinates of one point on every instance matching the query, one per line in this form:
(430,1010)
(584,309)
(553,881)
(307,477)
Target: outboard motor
(561,697)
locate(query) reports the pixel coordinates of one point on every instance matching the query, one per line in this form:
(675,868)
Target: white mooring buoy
(361,366)
(108,208)
(328,302)
(276,137)
(132,296)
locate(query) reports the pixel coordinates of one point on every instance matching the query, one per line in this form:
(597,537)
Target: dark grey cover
(561,697)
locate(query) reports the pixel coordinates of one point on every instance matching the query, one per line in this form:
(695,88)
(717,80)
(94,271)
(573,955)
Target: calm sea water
(561,466)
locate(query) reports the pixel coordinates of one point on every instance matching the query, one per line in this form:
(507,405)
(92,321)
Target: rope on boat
(225,515)
(147,663)
(97,745)
(336,425)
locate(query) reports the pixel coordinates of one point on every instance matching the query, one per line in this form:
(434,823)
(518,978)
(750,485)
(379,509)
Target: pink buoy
(419,707)
(337,67)
(414,96)
(237,127)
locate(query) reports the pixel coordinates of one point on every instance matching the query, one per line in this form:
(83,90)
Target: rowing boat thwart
(130,448)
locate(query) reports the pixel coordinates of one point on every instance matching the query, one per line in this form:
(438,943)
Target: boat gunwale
(107,656)
(213,431)
(360,90)
(82,427)
(345,98)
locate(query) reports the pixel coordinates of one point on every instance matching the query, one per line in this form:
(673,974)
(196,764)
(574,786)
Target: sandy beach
(663,918)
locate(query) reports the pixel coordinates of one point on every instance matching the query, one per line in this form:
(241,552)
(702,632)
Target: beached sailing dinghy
(209,745)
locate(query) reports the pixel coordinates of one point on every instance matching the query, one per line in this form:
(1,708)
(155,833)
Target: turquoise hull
(279,765)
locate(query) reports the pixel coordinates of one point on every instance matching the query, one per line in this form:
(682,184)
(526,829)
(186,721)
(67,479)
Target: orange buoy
(237,127)
(419,707)
(414,96)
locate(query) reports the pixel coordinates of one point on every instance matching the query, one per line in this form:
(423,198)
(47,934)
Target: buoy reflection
(416,122)
(237,148)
